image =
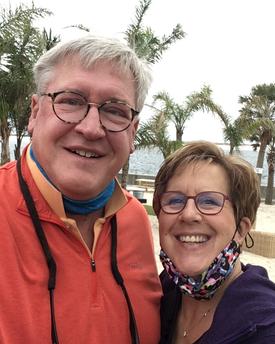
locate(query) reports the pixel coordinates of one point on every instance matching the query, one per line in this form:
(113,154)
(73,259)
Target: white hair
(90,50)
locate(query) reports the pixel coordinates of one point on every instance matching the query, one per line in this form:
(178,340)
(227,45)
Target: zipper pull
(93,265)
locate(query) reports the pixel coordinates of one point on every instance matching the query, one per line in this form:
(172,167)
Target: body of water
(148,161)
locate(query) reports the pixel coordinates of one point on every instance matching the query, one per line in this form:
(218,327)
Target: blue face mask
(204,286)
(76,207)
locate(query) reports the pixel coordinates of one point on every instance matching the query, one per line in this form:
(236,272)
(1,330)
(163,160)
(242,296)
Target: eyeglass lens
(72,108)
(206,202)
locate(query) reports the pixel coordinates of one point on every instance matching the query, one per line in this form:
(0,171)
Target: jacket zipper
(93,265)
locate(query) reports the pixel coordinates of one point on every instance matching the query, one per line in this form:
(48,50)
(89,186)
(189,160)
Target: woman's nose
(190,212)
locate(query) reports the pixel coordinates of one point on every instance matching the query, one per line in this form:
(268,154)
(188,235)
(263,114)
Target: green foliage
(21,44)
(149,47)
(144,41)
(18,36)
(203,101)
(233,130)
(176,113)
(154,133)
(49,39)
(271,170)
(258,112)
(149,209)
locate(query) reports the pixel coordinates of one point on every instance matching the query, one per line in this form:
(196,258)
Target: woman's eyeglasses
(207,203)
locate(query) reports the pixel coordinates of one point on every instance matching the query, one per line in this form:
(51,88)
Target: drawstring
(251,240)
(245,238)
(120,282)
(44,244)
(52,265)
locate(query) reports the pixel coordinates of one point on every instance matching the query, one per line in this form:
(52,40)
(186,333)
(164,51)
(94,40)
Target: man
(77,261)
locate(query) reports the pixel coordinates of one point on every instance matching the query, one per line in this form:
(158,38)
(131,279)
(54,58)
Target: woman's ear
(243,228)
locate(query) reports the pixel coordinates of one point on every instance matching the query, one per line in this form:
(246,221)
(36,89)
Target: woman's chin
(191,268)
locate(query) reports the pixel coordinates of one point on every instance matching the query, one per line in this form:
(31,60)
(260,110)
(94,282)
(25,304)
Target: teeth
(85,154)
(89,155)
(192,238)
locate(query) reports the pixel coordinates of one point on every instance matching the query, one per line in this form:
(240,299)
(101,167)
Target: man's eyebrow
(118,99)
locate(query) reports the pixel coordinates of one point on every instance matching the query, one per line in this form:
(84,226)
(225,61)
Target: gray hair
(90,50)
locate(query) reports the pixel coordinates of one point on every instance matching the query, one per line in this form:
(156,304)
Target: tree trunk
(124,174)
(179,134)
(5,152)
(260,159)
(270,183)
(17,148)
(5,135)
(231,149)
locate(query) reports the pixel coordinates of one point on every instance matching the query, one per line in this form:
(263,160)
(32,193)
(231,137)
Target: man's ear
(134,129)
(34,111)
(243,229)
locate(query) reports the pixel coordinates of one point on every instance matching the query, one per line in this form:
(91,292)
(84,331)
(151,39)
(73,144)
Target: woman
(206,203)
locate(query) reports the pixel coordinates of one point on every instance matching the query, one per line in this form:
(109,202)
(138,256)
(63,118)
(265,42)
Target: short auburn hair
(244,186)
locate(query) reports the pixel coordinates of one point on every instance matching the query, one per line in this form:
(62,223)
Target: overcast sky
(229,45)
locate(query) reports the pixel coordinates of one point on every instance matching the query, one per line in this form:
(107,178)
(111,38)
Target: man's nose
(91,126)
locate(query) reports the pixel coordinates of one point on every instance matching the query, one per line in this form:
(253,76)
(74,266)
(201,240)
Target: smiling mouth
(85,154)
(192,239)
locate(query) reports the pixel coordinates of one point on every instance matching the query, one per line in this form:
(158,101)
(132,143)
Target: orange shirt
(89,305)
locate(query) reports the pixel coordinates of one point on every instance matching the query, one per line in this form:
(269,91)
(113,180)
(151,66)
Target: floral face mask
(206,284)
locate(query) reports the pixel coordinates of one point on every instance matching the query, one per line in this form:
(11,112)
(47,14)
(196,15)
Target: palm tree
(143,40)
(176,113)
(20,46)
(234,133)
(271,169)
(258,112)
(49,39)
(234,130)
(147,46)
(154,133)
(4,130)
(21,115)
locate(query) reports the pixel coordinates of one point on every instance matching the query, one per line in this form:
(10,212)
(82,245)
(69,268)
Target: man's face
(81,159)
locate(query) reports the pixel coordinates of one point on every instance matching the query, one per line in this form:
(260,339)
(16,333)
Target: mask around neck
(76,207)
(204,286)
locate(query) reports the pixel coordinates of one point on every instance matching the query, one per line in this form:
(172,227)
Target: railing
(145,182)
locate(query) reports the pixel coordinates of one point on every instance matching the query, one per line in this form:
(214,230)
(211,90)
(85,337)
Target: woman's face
(191,239)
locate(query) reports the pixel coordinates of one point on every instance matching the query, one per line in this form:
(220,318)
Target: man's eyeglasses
(207,203)
(72,108)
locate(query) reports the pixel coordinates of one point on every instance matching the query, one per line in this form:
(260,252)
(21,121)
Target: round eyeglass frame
(225,197)
(98,106)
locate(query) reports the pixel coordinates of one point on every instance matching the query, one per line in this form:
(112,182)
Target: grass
(149,209)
